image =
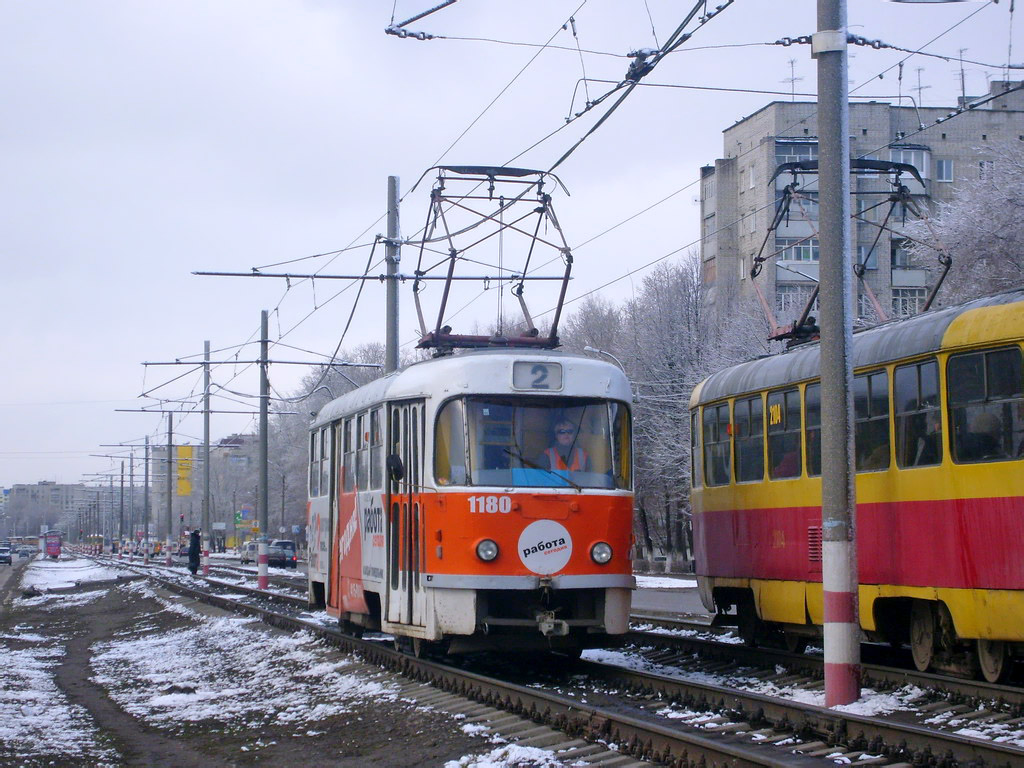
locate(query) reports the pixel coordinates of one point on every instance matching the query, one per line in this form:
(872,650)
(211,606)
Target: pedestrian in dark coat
(194,550)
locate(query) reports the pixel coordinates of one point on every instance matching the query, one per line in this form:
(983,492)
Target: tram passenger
(983,439)
(564,454)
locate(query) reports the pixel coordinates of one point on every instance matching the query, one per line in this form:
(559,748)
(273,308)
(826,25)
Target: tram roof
(482,371)
(895,340)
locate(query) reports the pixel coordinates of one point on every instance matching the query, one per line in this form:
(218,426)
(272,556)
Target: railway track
(646,716)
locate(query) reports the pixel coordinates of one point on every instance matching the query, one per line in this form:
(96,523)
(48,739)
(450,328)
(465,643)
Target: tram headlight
(601,552)
(487,550)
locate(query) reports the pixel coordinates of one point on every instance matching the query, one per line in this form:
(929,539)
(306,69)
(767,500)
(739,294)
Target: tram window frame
(376,449)
(917,414)
(314,463)
(717,451)
(362,446)
(872,449)
(325,461)
(812,428)
(986,419)
(695,463)
(748,439)
(782,436)
(348,454)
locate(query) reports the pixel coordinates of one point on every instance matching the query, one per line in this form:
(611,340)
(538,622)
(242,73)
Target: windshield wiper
(532,465)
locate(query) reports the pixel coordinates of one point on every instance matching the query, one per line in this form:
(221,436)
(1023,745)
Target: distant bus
(53,539)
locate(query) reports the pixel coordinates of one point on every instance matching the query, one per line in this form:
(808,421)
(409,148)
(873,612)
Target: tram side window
(812,430)
(622,459)
(314,463)
(784,434)
(362,451)
(748,433)
(918,416)
(716,445)
(871,421)
(986,405)
(376,449)
(348,451)
(450,445)
(694,452)
(325,461)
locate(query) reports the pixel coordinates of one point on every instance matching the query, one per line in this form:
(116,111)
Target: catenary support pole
(207,527)
(132,523)
(120,518)
(838,494)
(145,505)
(169,476)
(393,255)
(263,516)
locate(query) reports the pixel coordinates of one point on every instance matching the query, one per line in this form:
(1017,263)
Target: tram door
(405,521)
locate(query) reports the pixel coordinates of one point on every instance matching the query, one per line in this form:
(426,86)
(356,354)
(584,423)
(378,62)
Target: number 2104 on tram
(475,502)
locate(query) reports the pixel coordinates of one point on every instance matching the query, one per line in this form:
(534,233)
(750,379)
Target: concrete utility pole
(393,255)
(145,506)
(168,467)
(838,495)
(263,516)
(207,527)
(120,518)
(131,505)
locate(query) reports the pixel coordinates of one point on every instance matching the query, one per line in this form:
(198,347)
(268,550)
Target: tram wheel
(993,659)
(795,643)
(922,634)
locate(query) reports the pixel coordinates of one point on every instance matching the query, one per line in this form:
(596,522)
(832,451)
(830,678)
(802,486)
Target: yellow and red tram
(939,447)
(436,515)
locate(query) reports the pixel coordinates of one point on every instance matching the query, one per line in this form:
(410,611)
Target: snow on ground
(66,572)
(35,716)
(664,582)
(727,637)
(225,670)
(510,755)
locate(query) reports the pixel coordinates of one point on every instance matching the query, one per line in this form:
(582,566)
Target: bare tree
(982,228)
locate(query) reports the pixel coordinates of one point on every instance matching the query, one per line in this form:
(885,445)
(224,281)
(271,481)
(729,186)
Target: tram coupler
(549,626)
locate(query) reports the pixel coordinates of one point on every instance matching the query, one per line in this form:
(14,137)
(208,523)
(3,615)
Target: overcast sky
(146,139)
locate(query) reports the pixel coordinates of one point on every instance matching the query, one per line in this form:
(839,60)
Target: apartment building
(739,196)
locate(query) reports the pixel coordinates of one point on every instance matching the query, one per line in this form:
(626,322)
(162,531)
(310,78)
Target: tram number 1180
(490,504)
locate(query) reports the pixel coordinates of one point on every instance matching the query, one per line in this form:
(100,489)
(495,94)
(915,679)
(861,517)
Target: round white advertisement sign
(545,547)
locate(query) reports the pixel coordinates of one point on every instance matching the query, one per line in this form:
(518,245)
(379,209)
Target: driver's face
(565,434)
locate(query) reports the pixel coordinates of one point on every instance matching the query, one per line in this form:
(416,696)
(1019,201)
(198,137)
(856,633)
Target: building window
(867,256)
(943,170)
(792,152)
(790,300)
(915,157)
(753,177)
(899,255)
(907,301)
(796,248)
(752,221)
(803,206)
(985,168)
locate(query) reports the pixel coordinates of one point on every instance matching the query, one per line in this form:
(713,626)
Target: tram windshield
(533,442)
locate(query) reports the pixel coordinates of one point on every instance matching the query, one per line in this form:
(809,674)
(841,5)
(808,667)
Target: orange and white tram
(442,511)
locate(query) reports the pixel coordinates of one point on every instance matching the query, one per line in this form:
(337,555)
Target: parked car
(281,554)
(5,555)
(248,552)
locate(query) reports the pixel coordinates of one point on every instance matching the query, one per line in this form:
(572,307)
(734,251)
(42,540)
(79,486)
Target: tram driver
(564,454)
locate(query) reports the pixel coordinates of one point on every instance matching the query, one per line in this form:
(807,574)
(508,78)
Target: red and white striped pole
(206,562)
(838,491)
(262,559)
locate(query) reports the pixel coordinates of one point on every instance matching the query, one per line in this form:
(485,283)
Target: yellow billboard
(183,469)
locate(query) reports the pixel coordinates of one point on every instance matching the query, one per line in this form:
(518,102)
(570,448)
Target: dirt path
(372,733)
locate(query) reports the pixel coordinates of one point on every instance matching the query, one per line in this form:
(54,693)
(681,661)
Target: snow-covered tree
(981,228)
